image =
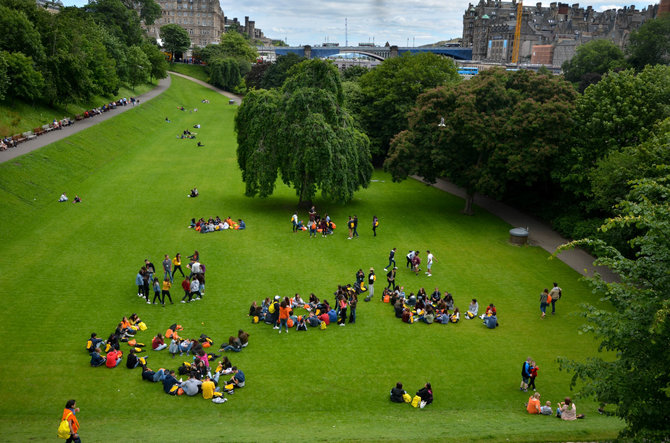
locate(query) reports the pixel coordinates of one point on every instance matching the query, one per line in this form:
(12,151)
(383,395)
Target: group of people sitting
(216,224)
(200,377)
(566,410)
(194,193)
(63,198)
(421,399)
(188,134)
(281,314)
(434,308)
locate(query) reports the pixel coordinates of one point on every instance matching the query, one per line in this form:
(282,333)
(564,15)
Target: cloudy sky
(400,22)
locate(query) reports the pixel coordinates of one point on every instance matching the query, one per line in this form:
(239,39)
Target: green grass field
(18,116)
(67,270)
(195,71)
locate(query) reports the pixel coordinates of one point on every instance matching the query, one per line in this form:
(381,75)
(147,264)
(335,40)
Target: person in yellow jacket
(176,265)
(166,291)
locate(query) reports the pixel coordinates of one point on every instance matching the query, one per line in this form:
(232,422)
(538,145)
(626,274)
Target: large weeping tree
(497,129)
(303,134)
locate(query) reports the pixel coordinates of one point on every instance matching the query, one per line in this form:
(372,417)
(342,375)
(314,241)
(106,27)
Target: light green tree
(139,66)
(175,39)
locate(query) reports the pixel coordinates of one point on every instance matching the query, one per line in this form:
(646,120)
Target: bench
(18,138)
(78,117)
(47,128)
(38,131)
(29,135)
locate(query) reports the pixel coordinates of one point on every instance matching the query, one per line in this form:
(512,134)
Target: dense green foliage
(278,71)
(650,45)
(636,328)
(390,90)
(591,61)
(304,134)
(498,128)
(228,62)
(75,54)
(175,39)
(326,385)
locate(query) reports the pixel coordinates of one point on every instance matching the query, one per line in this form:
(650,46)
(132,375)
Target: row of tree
(77,53)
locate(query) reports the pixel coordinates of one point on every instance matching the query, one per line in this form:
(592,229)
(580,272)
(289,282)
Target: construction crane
(517,32)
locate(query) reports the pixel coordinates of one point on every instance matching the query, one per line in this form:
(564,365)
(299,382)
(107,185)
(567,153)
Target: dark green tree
(224,73)
(277,73)
(139,66)
(23,36)
(118,19)
(390,90)
(25,81)
(304,135)
(175,39)
(594,57)
(634,328)
(611,177)
(156,58)
(619,111)
(4,78)
(499,128)
(353,73)
(255,75)
(650,44)
(148,10)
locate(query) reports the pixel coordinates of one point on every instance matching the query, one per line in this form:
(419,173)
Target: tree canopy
(635,325)
(591,61)
(650,44)
(175,39)
(278,71)
(499,128)
(303,134)
(390,90)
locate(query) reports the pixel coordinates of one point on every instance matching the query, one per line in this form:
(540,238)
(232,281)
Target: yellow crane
(517,32)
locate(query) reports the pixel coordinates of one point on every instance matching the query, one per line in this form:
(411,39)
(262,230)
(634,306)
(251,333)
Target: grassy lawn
(195,71)
(67,270)
(19,116)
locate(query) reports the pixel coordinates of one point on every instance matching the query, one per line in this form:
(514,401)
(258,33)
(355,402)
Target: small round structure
(518,236)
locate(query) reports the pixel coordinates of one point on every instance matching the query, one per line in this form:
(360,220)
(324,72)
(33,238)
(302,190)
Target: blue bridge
(374,52)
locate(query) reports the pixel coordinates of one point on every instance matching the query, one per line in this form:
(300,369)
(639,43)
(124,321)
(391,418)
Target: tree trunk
(469,199)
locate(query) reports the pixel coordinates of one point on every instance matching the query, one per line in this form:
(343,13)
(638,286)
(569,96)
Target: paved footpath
(540,234)
(59,134)
(236,98)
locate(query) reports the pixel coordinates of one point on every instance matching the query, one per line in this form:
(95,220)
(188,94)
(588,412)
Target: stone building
(249,28)
(488,28)
(203,20)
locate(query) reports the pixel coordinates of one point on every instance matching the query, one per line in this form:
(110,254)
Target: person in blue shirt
(238,379)
(169,381)
(241,224)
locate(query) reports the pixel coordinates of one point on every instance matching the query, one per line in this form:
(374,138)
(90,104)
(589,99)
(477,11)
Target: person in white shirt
(63,198)
(429,263)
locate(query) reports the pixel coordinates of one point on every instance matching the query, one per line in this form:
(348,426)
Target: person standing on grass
(555,294)
(312,214)
(69,414)
(146,278)
(167,268)
(139,281)
(342,304)
(525,375)
(157,291)
(151,269)
(294,221)
(429,263)
(350,225)
(544,297)
(195,289)
(355,233)
(167,284)
(391,260)
(176,266)
(533,375)
(371,283)
(390,278)
(353,303)
(375,223)
(416,262)
(284,314)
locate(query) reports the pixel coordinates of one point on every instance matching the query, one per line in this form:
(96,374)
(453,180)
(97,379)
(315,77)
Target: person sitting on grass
(225,366)
(63,198)
(134,361)
(238,379)
(546,409)
(149,375)
(398,393)
(207,388)
(426,394)
(567,410)
(93,342)
(77,199)
(456,316)
(490,310)
(244,338)
(191,386)
(114,357)
(472,310)
(96,358)
(533,405)
(194,192)
(241,225)
(169,381)
(491,321)
(158,344)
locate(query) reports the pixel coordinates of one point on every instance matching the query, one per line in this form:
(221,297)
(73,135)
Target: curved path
(230,95)
(540,234)
(54,136)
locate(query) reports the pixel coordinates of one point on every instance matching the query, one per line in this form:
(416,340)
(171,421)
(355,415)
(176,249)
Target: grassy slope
(195,71)
(18,116)
(67,270)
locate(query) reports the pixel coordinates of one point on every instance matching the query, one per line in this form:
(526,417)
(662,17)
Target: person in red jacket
(158,344)
(114,357)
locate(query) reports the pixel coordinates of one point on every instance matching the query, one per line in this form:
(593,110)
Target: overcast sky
(400,22)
